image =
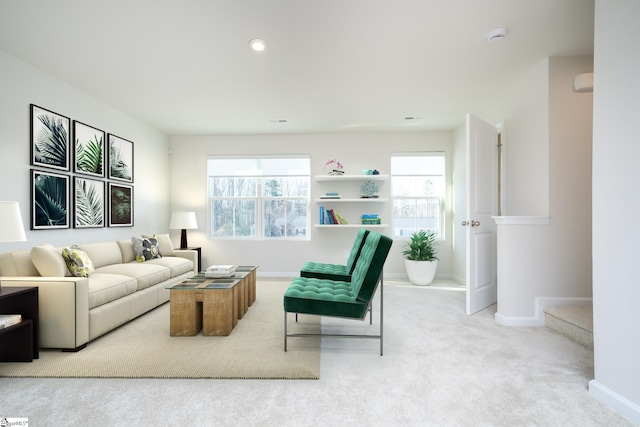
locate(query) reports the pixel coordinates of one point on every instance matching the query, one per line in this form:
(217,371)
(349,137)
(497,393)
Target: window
(265,197)
(417,190)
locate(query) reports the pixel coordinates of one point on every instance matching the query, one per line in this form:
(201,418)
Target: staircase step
(573,321)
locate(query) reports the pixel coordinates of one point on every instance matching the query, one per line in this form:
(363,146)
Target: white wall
(284,258)
(526,144)
(21,85)
(616,206)
(548,264)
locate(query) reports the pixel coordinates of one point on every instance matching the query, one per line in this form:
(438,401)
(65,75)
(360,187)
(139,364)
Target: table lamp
(11,228)
(184,221)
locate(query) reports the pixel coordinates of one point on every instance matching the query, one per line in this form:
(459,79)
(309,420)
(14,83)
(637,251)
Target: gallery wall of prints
(81,176)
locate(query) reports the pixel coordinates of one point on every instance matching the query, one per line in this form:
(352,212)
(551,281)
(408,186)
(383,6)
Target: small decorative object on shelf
(334,166)
(369,190)
(370,172)
(370,219)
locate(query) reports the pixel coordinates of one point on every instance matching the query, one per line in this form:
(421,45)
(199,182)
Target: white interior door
(482,148)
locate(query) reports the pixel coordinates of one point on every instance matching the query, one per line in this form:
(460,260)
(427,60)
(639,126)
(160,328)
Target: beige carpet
(143,349)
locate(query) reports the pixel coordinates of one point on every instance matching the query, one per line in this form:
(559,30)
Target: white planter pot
(421,272)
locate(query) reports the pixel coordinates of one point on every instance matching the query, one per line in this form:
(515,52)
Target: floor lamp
(184,221)
(11,228)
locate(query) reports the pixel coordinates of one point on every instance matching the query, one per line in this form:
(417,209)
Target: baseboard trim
(517,321)
(538,318)
(618,403)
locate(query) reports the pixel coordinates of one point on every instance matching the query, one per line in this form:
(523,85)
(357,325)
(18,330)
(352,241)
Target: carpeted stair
(573,321)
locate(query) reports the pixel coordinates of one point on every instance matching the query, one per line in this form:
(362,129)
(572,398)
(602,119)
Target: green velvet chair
(344,299)
(321,270)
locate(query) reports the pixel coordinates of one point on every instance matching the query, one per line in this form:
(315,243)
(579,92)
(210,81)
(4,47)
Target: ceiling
(185,67)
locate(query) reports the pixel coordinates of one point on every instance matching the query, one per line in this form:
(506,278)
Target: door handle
(475,223)
(464,223)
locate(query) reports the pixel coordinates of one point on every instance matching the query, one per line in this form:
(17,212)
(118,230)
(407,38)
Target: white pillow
(48,261)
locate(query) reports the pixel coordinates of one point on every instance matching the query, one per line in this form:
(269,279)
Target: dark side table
(19,343)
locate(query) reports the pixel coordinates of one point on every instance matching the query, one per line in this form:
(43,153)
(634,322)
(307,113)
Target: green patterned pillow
(146,248)
(77,261)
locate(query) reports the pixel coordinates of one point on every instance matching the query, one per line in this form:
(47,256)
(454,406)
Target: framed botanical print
(120,205)
(49,200)
(120,159)
(89,202)
(89,150)
(49,139)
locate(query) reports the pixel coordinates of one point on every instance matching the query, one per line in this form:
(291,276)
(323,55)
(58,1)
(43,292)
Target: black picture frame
(50,139)
(89,203)
(120,159)
(120,205)
(89,150)
(49,200)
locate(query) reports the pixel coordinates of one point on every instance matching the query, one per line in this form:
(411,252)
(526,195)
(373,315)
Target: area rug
(143,348)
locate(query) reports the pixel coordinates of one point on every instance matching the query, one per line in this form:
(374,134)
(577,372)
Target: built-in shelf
(332,180)
(351,177)
(352,200)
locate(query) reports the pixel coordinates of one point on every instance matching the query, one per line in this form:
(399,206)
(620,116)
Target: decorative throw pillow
(48,261)
(77,261)
(164,242)
(146,248)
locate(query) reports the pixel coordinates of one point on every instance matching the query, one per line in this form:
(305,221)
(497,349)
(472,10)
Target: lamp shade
(11,228)
(182,220)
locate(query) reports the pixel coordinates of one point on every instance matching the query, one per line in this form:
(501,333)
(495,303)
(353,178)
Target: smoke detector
(496,35)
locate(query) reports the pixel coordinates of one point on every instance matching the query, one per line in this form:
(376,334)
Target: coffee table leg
(217,312)
(252,286)
(186,314)
(235,304)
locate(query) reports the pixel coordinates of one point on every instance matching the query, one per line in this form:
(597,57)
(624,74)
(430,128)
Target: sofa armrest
(63,304)
(188,254)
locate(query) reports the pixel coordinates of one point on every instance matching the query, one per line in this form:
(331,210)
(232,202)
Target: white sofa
(76,310)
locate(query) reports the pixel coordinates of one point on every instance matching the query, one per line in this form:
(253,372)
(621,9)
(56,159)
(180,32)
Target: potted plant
(420,257)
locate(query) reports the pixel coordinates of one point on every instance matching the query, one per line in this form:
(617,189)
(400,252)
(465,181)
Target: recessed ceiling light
(257,45)
(496,35)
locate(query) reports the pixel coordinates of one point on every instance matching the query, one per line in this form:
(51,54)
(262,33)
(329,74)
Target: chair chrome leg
(381,308)
(285,331)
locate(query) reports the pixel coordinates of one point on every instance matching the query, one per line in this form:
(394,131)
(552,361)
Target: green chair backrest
(368,269)
(356,249)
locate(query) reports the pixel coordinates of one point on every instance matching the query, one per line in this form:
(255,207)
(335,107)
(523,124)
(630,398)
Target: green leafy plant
(51,142)
(421,247)
(89,205)
(89,156)
(50,201)
(120,206)
(119,169)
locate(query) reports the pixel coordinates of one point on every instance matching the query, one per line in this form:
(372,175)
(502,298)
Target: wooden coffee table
(210,304)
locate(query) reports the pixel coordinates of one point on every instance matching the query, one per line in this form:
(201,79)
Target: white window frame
(440,198)
(259,199)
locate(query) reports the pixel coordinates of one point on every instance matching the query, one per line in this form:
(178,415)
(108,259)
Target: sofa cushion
(103,253)
(176,265)
(146,248)
(126,248)
(48,260)
(17,263)
(104,288)
(78,262)
(146,274)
